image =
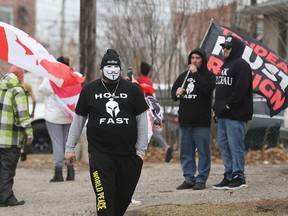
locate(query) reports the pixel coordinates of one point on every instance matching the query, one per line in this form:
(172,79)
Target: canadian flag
(19,49)
(67,97)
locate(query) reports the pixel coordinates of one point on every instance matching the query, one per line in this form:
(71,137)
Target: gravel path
(156,186)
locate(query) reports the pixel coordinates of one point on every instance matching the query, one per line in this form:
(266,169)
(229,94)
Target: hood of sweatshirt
(9,80)
(237,47)
(201,52)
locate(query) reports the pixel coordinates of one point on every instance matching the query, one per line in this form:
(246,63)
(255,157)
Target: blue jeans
(231,134)
(193,138)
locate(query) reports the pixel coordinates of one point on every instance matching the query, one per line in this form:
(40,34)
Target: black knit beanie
(111,57)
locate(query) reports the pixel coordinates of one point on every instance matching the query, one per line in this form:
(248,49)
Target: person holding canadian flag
(58,118)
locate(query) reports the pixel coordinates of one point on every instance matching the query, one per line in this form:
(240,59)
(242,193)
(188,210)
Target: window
(6,15)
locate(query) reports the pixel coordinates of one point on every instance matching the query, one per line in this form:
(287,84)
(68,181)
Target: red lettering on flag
(272,58)
(278,100)
(256,80)
(267,87)
(261,51)
(214,64)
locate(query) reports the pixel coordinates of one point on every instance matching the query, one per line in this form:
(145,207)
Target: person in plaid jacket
(15,124)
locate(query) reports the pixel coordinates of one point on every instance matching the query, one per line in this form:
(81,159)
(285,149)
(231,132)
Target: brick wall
(23,17)
(23,14)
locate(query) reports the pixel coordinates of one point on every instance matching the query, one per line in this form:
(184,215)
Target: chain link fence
(262,130)
(255,139)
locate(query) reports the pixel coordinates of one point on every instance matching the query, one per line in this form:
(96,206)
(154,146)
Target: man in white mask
(118,133)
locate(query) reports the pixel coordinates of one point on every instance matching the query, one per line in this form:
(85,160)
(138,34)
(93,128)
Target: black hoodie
(233,95)
(195,105)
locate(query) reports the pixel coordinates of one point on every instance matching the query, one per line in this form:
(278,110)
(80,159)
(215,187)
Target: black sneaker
(12,202)
(223,185)
(185,185)
(237,183)
(199,186)
(168,155)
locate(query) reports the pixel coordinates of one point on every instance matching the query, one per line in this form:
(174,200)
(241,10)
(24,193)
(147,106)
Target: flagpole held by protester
(206,33)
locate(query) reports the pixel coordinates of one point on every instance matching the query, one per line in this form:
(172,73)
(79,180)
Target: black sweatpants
(114,179)
(8,164)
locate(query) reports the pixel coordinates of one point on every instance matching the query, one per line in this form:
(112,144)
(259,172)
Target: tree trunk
(253,30)
(87,38)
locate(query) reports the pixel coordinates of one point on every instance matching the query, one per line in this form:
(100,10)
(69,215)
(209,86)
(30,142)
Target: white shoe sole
(243,186)
(135,202)
(220,188)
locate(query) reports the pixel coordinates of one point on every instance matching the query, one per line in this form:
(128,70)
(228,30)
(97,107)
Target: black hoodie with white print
(196,103)
(233,95)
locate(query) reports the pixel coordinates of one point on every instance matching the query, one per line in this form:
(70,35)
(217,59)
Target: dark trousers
(8,164)
(114,179)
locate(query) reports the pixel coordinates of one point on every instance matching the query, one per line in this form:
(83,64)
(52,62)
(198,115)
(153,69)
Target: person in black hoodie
(194,88)
(233,108)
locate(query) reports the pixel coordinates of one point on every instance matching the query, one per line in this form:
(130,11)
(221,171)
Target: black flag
(270,72)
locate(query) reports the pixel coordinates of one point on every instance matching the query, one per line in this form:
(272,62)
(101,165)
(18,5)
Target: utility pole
(253,30)
(87,38)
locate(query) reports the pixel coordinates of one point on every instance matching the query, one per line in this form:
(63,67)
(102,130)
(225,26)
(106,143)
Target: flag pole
(206,33)
(210,24)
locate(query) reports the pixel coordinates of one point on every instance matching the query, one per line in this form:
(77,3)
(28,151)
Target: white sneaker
(135,202)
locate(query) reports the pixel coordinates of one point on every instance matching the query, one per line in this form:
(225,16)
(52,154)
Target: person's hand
(29,141)
(214,117)
(180,92)
(133,79)
(70,158)
(127,78)
(192,68)
(141,156)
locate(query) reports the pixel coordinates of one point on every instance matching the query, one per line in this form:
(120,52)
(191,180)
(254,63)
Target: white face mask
(111,72)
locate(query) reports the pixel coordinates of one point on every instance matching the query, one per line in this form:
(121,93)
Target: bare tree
(142,31)
(146,30)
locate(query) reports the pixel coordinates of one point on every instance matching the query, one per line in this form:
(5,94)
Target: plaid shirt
(14,113)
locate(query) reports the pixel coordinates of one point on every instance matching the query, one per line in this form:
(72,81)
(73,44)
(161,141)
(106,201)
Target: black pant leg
(103,179)
(128,173)
(8,164)
(114,179)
